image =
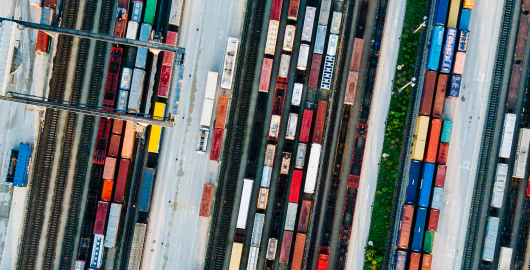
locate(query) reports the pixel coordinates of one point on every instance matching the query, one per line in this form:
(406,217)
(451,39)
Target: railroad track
(487,137)
(228,176)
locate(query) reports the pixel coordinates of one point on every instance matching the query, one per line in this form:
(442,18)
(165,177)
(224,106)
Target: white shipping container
(291,126)
(297,94)
(211,85)
(259,220)
(274,128)
(253,258)
(284,66)
(312,168)
(266,176)
(137,87)
(137,11)
(271,249)
(230,63)
(324,12)
(505,258)
(300,156)
(272,36)
(175,13)
(291,216)
(132,30)
(303,56)
(332,44)
(491,239)
(437,198)
(335,22)
(521,156)
(125,81)
(499,185)
(320,39)
(507,135)
(269,154)
(288,39)
(123,96)
(113,224)
(309,20)
(206,115)
(245,203)
(97,251)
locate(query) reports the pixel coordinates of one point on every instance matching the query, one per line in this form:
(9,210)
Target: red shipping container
(264,80)
(101,218)
(206,202)
(427,261)
(286,246)
(323,258)
(106,194)
(42,42)
(110,168)
(292,13)
(428,93)
(439,97)
(304,216)
(440,176)
(434,139)
(121,180)
(222,109)
(276,10)
(414,261)
(168,58)
(306,126)
(171,38)
(442,153)
(217,144)
(165,80)
(528,189)
(314,73)
(117,126)
(406,226)
(114,147)
(320,121)
(355,63)
(433,220)
(295,186)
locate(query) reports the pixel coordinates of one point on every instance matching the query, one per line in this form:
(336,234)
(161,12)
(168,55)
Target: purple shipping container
(462,41)
(448,51)
(455,86)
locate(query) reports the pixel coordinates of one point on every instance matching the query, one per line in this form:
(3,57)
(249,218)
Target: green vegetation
(388,169)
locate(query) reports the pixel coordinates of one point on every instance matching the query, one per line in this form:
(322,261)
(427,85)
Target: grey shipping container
(145,191)
(112,225)
(325,7)
(137,87)
(291,216)
(437,198)
(449,106)
(257,230)
(300,156)
(123,97)
(308,23)
(491,239)
(137,11)
(141,56)
(320,39)
(125,81)
(271,249)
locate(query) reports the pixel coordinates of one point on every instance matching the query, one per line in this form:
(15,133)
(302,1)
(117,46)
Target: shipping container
(257,230)
(47,16)
(296,181)
(306,126)
(314,73)
(272,36)
(150,11)
(114,146)
(446,131)
(12,166)
(145,191)
(462,41)
(414,261)
(128,141)
(141,55)
(286,160)
(244,205)
(117,126)
(291,126)
(412,187)
(505,258)
(235,257)
(449,108)
(521,156)
(79,265)
(351,88)
(25,151)
(499,185)
(137,246)
(439,96)
(419,227)
(222,109)
(217,144)
(229,63)
(435,48)
(263,198)
(434,139)
(164,81)
(420,138)
(276,10)
(288,39)
(274,128)
(465,16)
(320,39)
(297,94)
(437,198)
(292,13)
(405,226)
(440,176)
(491,239)
(113,225)
(121,180)
(454,91)
(440,12)
(305,209)
(401,260)
(429,242)
(109,168)
(290,217)
(513,87)
(332,44)
(522,35)
(156,131)
(101,218)
(130,58)
(300,156)
(206,201)
(460,60)
(428,93)
(132,30)
(41,45)
(453,13)
(507,135)
(442,153)
(265,77)
(137,88)
(325,6)
(285,251)
(355,63)
(327,72)
(266,176)
(175,14)
(253,257)
(336,21)
(320,122)
(426,185)
(469,4)
(97,251)
(298,253)
(323,260)
(271,249)
(123,97)
(312,169)
(303,56)
(106,192)
(426,262)
(309,21)
(448,51)
(136,15)
(433,220)
(284,67)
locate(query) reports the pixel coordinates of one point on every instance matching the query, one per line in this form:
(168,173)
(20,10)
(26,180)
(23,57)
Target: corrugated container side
(499,185)
(437,198)
(285,251)
(117,126)
(113,225)
(460,60)
(355,63)
(314,73)
(145,191)
(439,97)
(235,256)
(272,36)
(440,176)
(442,153)
(426,185)
(309,20)
(435,48)
(351,88)
(276,10)
(128,141)
(405,226)
(114,146)
(401,260)
(320,39)
(426,262)
(419,227)
(245,203)
(414,176)
(20,178)
(253,257)
(440,13)
(421,137)
(320,122)
(507,136)
(164,81)
(465,16)
(222,109)
(295,186)
(206,201)
(305,209)
(428,93)
(217,144)
(137,88)
(290,217)
(42,42)
(433,220)
(414,261)
(434,139)
(446,131)
(298,253)
(121,180)
(456,80)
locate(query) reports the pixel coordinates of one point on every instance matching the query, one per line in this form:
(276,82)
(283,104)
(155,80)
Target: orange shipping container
(427,261)
(117,126)
(298,253)
(222,109)
(469,4)
(206,203)
(434,139)
(109,168)
(106,194)
(406,227)
(128,141)
(414,261)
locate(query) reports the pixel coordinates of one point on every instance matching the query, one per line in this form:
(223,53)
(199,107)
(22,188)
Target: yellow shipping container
(469,4)
(156,131)
(454,11)
(235,258)
(420,138)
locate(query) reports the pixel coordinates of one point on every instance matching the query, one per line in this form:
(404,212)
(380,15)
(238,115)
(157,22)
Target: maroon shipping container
(320,121)
(351,88)
(101,218)
(265,78)
(53,3)
(414,261)
(117,126)
(439,97)
(428,93)
(304,216)
(405,227)
(276,10)
(121,180)
(239,235)
(110,168)
(355,63)
(433,220)
(442,153)
(42,42)
(440,176)
(521,38)
(165,80)
(286,246)
(306,126)
(114,146)
(316,62)
(292,14)
(217,144)
(515,79)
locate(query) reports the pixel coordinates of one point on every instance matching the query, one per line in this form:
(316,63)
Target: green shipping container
(150,11)
(446,131)
(429,242)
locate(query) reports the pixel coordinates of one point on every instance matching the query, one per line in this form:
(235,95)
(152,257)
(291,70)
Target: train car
(100,152)
(306,126)
(117,126)
(285,251)
(292,13)
(266,177)
(222,110)
(276,10)
(448,50)
(97,251)
(106,193)
(288,40)
(263,198)
(434,216)
(320,121)
(265,77)
(150,12)
(132,30)
(434,139)
(462,41)
(454,90)
(470,3)
(121,180)
(522,36)
(440,176)
(325,7)
(414,261)
(79,265)
(505,259)
(320,40)
(419,227)
(439,97)
(428,93)
(513,87)
(327,72)
(465,17)
(146,190)
(206,201)
(120,22)
(141,54)
(128,141)
(507,135)
(499,185)
(426,185)
(437,194)
(156,131)
(175,14)
(446,131)
(101,218)
(269,155)
(137,246)
(435,47)
(284,68)
(245,203)
(298,253)
(314,73)
(300,156)
(286,161)
(235,257)
(291,126)
(303,219)
(229,63)
(355,63)
(454,11)
(290,216)
(271,249)
(421,137)
(296,181)
(405,226)
(137,88)
(272,37)
(113,76)
(491,239)
(20,178)
(309,21)
(351,88)
(297,94)
(440,12)
(312,168)
(113,225)
(167,66)
(303,57)
(412,187)
(460,60)
(401,260)
(521,156)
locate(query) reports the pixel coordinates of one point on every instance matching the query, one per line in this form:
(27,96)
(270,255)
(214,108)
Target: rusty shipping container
(320,121)
(206,202)
(433,220)
(298,253)
(286,246)
(526,4)
(414,261)
(442,153)
(434,139)
(314,73)
(522,36)
(515,80)
(42,42)
(265,78)
(351,88)
(305,208)
(109,168)
(440,176)
(114,146)
(121,180)
(439,96)
(222,109)
(428,93)
(406,227)
(355,63)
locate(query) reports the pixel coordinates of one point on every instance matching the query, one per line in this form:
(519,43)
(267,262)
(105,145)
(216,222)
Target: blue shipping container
(462,41)
(440,14)
(465,16)
(145,191)
(426,184)
(320,39)
(412,188)
(456,80)
(446,131)
(401,260)
(419,229)
(21,170)
(141,56)
(435,49)
(449,49)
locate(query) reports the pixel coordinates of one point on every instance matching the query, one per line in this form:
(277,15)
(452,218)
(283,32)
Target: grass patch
(388,169)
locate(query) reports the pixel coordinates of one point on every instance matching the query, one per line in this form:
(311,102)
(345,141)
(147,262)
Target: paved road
(177,237)
(467,133)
